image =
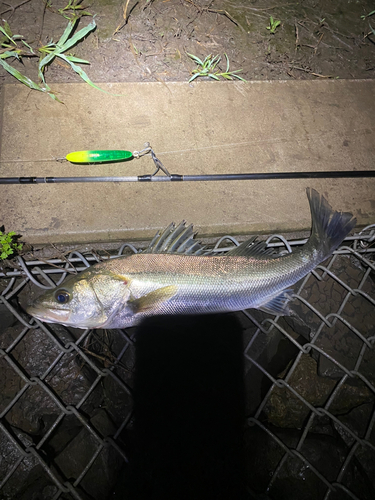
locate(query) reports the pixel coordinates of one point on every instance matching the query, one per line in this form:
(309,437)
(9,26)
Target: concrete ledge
(209,127)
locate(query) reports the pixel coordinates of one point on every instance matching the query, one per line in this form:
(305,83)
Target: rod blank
(338,174)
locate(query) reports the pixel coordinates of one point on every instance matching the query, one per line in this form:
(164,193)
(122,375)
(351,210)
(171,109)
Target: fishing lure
(100,156)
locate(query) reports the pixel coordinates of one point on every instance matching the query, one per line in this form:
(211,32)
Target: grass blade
(239,77)
(227,58)
(28,46)
(7,29)
(194,77)
(6,34)
(9,53)
(195,58)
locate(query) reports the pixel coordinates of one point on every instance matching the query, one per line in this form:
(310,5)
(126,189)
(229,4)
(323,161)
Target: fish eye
(62,296)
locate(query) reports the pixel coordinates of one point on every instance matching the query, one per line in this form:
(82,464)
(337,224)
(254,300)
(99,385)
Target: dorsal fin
(253,248)
(176,239)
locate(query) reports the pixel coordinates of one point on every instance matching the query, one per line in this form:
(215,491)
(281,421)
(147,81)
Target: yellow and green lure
(100,156)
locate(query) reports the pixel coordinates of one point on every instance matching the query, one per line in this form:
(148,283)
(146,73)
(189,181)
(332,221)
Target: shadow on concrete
(188,410)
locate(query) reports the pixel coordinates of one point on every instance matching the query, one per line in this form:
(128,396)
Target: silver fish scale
(211,283)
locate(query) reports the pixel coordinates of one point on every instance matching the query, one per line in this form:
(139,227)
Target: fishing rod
(342,174)
(111,156)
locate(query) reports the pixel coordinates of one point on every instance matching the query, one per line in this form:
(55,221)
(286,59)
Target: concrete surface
(207,127)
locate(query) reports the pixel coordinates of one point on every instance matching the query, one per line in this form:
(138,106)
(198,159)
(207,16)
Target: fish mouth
(48,315)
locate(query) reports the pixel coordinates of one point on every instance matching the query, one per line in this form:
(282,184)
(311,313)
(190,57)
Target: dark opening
(188,410)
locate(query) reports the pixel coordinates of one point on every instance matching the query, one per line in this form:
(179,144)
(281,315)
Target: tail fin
(329,228)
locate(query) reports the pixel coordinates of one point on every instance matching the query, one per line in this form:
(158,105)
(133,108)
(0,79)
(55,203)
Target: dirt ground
(315,38)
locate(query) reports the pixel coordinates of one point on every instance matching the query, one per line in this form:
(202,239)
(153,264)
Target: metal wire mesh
(55,378)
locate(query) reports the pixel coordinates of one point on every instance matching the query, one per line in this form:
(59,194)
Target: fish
(176,274)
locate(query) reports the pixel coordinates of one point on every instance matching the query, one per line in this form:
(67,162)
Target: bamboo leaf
(75,59)
(42,64)
(83,75)
(77,37)
(20,77)
(64,37)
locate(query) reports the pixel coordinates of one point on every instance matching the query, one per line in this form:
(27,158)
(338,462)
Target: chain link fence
(66,394)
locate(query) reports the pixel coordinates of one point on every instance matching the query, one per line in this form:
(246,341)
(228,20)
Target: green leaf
(239,77)
(9,53)
(76,60)
(63,47)
(368,15)
(64,37)
(194,77)
(195,58)
(28,46)
(20,77)
(83,75)
(6,34)
(215,63)
(227,63)
(9,31)
(43,61)
(213,76)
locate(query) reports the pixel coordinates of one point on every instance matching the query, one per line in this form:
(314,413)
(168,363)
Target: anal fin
(278,304)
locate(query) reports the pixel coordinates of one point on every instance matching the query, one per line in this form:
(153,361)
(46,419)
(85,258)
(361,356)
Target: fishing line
(203,148)
(193,150)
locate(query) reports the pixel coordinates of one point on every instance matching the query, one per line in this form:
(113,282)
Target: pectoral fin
(153,299)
